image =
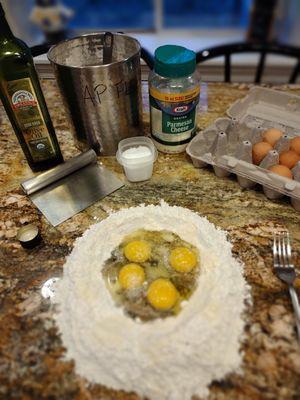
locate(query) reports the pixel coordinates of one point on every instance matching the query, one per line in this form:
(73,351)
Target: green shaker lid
(174,61)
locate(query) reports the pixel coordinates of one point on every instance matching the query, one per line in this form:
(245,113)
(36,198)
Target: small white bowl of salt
(137,155)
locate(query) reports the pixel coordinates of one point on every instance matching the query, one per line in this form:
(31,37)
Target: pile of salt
(136,153)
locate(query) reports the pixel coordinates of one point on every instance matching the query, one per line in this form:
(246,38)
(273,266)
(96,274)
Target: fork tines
(282,250)
(285,270)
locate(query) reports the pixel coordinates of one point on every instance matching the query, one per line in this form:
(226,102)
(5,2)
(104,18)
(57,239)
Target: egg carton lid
(268,105)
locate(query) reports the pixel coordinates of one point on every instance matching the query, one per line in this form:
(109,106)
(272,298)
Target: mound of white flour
(164,359)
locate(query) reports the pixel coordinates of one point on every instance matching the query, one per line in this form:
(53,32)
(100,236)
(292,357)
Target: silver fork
(282,256)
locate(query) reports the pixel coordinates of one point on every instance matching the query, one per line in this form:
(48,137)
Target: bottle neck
(5,31)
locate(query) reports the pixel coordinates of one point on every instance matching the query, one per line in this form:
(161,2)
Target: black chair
(262,48)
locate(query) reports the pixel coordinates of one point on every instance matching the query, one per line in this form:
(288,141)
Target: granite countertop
(31,365)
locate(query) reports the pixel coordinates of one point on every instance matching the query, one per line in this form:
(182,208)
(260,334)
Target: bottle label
(29,117)
(173,116)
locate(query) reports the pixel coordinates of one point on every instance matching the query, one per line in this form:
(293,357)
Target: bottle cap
(29,236)
(174,61)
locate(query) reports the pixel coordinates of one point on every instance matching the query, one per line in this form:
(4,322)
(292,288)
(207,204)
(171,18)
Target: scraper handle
(37,183)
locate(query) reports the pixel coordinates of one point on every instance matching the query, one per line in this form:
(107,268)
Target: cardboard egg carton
(227,143)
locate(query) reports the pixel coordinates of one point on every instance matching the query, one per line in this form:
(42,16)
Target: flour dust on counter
(158,358)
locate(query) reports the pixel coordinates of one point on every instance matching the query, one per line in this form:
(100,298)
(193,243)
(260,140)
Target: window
(205,14)
(121,14)
(159,14)
(194,23)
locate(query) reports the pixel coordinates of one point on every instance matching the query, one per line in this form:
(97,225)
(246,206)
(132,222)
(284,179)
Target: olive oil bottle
(23,100)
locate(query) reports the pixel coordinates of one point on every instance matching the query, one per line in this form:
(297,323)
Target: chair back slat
(227,70)
(295,72)
(260,67)
(147,57)
(246,47)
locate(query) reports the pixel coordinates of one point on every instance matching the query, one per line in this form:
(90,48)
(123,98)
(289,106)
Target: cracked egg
(151,273)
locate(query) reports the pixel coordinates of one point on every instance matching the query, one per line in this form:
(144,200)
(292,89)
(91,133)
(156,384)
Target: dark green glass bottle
(23,100)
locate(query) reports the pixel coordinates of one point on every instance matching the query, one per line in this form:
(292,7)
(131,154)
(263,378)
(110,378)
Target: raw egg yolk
(131,276)
(259,151)
(137,251)
(162,294)
(281,170)
(295,144)
(289,158)
(272,136)
(182,259)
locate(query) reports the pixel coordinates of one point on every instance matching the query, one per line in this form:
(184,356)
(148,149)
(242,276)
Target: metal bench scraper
(71,187)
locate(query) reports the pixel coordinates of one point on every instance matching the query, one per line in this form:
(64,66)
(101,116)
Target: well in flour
(151,273)
(199,345)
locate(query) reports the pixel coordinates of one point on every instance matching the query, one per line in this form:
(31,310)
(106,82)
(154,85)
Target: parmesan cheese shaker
(174,94)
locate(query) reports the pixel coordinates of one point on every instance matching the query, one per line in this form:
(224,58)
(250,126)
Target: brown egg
(281,170)
(295,144)
(289,158)
(272,136)
(259,151)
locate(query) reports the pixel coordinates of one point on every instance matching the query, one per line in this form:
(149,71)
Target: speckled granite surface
(31,366)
